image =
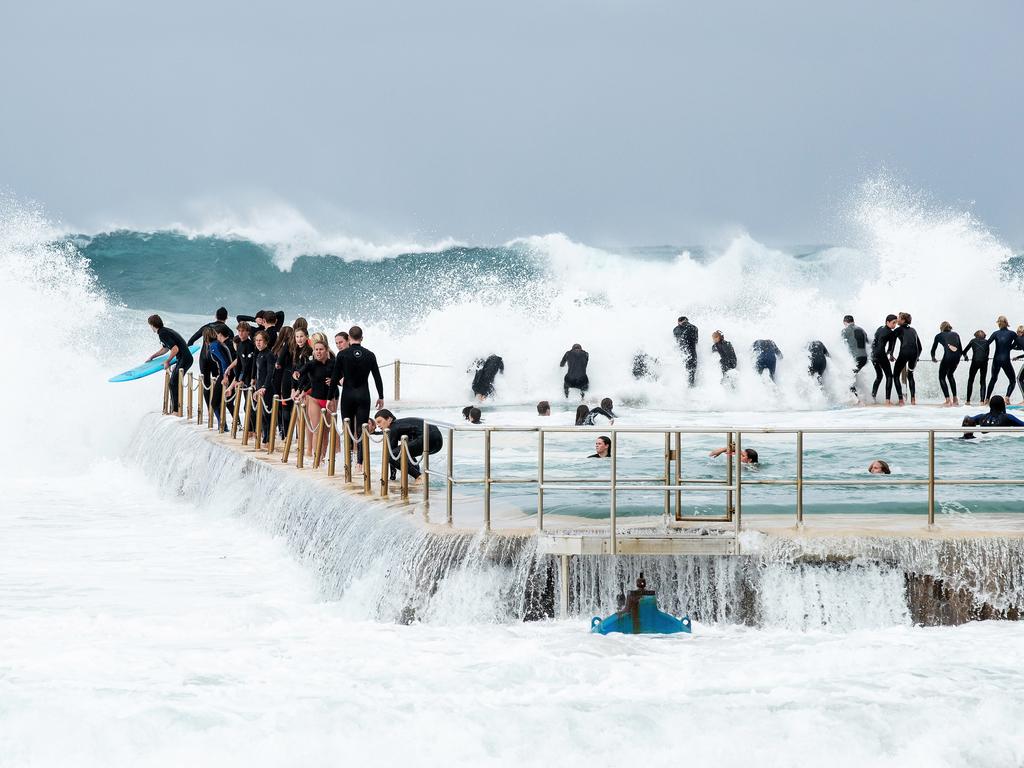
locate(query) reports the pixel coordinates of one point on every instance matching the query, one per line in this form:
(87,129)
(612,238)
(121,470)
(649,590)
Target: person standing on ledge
(1001,343)
(881,347)
(352,370)
(952,348)
(686,337)
(910,352)
(726,354)
(577,360)
(178,355)
(857,342)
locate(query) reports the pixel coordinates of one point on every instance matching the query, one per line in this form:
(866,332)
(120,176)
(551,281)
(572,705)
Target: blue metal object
(641,616)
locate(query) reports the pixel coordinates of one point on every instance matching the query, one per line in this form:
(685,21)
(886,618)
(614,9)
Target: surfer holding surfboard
(178,356)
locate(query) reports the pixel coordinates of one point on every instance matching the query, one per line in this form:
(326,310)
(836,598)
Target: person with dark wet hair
(766,355)
(263,377)
(603,413)
(602,448)
(881,348)
(817,356)
(466,411)
(686,335)
(284,355)
(910,352)
(341,340)
(747,455)
(1001,343)
(483,379)
(352,370)
(412,430)
(543,408)
(879,467)
(582,411)
(179,357)
(952,349)
(978,346)
(576,361)
(1019,343)
(475,415)
(726,353)
(996,417)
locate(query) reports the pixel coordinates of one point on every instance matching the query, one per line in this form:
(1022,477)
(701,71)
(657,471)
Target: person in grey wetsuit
(857,342)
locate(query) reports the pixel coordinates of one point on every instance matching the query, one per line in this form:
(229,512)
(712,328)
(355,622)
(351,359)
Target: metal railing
(397,365)
(671,482)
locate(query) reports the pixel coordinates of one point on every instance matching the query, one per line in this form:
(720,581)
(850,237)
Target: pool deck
(650,535)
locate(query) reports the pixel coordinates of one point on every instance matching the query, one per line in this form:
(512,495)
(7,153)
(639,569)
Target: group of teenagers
(267,358)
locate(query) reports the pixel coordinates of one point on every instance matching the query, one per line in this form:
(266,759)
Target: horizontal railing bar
(608,487)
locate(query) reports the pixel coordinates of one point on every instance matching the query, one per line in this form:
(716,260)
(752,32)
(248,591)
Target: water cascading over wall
(380,562)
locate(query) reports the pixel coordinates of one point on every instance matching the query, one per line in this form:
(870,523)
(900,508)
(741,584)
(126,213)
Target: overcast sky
(614,122)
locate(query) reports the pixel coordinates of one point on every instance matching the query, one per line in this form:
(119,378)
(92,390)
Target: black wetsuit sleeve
(565,359)
(890,342)
(198,334)
(377,380)
(935,345)
(245,318)
(920,348)
(861,338)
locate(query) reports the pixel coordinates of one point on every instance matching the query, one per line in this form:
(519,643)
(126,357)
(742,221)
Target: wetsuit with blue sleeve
(1001,344)
(220,359)
(766,354)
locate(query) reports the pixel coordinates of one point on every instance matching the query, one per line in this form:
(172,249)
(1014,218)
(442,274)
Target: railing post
(275,408)
(181,393)
(234,412)
(332,447)
(729,507)
(257,439)
(739,481)
(613,506)
(449,487)
(487,480)
(403,467)
(540,480)
(365,435)
(667,475)
(385,465)
(931,478)
(199,404)
(300,442)
(425,464)
(679,475)
(346,446)
(191,385)
(221,426)
(563,592)
(167,390)
(800,479)
(398,380)
(287,447)
(209,406)
(247,422)
(318,439)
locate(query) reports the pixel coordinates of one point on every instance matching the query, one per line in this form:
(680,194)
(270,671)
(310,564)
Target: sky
(634,122)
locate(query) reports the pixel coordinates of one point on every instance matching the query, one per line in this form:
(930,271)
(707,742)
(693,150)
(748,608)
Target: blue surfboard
(147,369)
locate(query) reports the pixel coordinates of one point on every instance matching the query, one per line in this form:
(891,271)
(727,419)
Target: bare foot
(956,403)
(888,403)
(947,403)
(901,403)
(913,401)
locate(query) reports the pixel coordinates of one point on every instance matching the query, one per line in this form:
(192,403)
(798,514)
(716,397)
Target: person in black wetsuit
(576,374)
(686,337)
(321,393)
(952,349)
(817,355)
(284,352)
(1019,343)
(205,364)
(483,380)
(766,354)
(726,354)
(979,364)
(910,352)
(352,370)
(412,430)
(881,347)
(602,448)
(603,413)
(263,377)
(178,356)
(1001,344)
(857,342)
(245,357)
(996,417)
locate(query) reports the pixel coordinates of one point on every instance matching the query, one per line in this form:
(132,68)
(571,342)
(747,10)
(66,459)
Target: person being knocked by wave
(178,355)
(577,360)
(996,417)
(486,371)
(603,414)
(412,430)
(726,354)
(766,356)
(817,359)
